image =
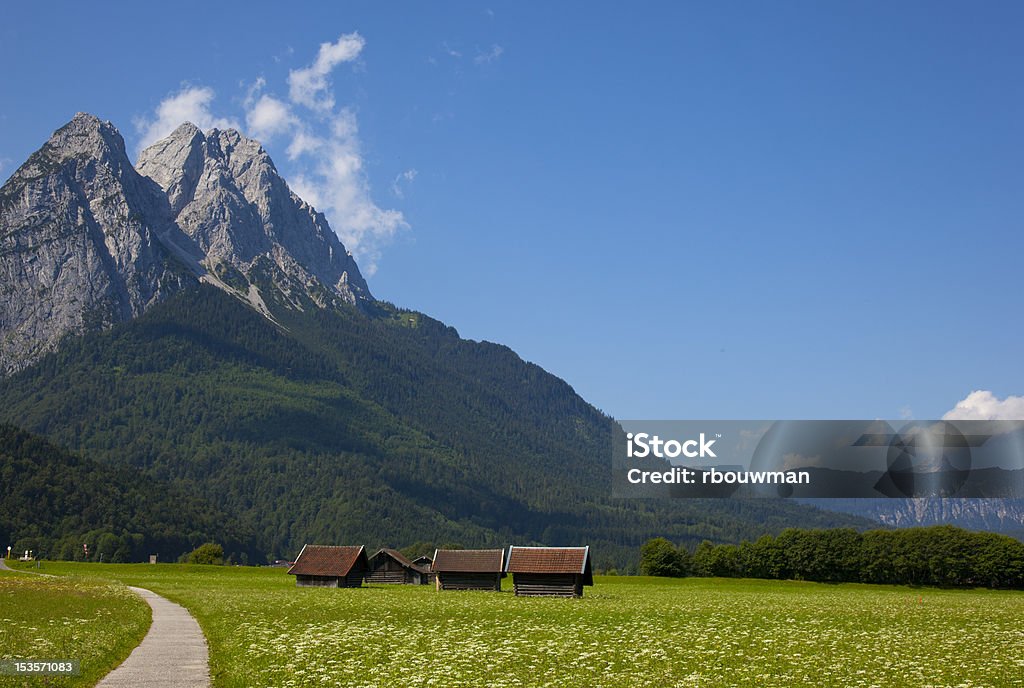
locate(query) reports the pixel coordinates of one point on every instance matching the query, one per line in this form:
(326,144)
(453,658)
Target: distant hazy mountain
(998,515)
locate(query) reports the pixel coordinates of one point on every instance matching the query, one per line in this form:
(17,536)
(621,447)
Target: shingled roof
(400,558)
(326,560)
(550,560)
(468,561)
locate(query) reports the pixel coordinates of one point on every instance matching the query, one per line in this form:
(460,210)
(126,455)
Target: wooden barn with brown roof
(330,566)
(391,566)
(549,571)
(468,569)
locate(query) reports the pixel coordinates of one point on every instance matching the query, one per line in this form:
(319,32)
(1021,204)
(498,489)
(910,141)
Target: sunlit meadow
(628,632)
(95,622)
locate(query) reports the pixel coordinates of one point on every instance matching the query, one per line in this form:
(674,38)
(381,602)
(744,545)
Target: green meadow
(626,631)
(94,621)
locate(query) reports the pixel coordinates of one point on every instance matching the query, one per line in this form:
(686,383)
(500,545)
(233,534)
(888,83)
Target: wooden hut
(329,566)
(424,562)
(468,569)
(391,566)
(549,571)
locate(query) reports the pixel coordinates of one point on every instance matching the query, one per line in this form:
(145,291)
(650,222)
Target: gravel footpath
(173,654)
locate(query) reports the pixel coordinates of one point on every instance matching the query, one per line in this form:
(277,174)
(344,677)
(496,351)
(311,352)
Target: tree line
(936,555)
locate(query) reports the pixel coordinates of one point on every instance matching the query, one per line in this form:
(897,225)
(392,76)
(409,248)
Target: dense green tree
(716,560)
(206,553)
(659,557)
(764,558)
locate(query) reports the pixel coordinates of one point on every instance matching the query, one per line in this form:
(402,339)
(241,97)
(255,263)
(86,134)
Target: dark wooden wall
(316,581)
(469,581)
(354,579)
(387,570)
(547,584)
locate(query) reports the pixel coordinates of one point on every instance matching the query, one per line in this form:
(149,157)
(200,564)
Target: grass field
(93,621)
(263,631)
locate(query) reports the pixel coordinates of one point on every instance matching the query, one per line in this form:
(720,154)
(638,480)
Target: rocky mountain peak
(228,196)
(84,138)
(87,134)
(80,245)
(175,163)
(88,240)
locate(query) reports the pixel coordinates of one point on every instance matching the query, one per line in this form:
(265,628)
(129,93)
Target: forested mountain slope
(53,502)
(334,425)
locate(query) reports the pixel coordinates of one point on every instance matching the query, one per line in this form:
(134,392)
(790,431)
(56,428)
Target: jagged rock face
(79,245)
(228,197)
(87,241)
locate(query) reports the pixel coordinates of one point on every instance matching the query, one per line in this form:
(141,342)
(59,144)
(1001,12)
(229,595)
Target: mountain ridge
(89,239)
(79,248)
(220,185)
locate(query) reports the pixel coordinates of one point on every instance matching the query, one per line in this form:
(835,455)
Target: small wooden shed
(468,569)
(330,566)
(425,562)
(549,571)
(391,566)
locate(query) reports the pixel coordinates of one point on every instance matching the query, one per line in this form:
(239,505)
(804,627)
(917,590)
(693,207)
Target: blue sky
(686,210)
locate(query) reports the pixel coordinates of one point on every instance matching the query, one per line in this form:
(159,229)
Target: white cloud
(491,55)
(190,104)
(302,143)
(451,52)
(308,86)
(334,182)
(406,177)
(983,405)
(269,117)
(254,90)
(325,164)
